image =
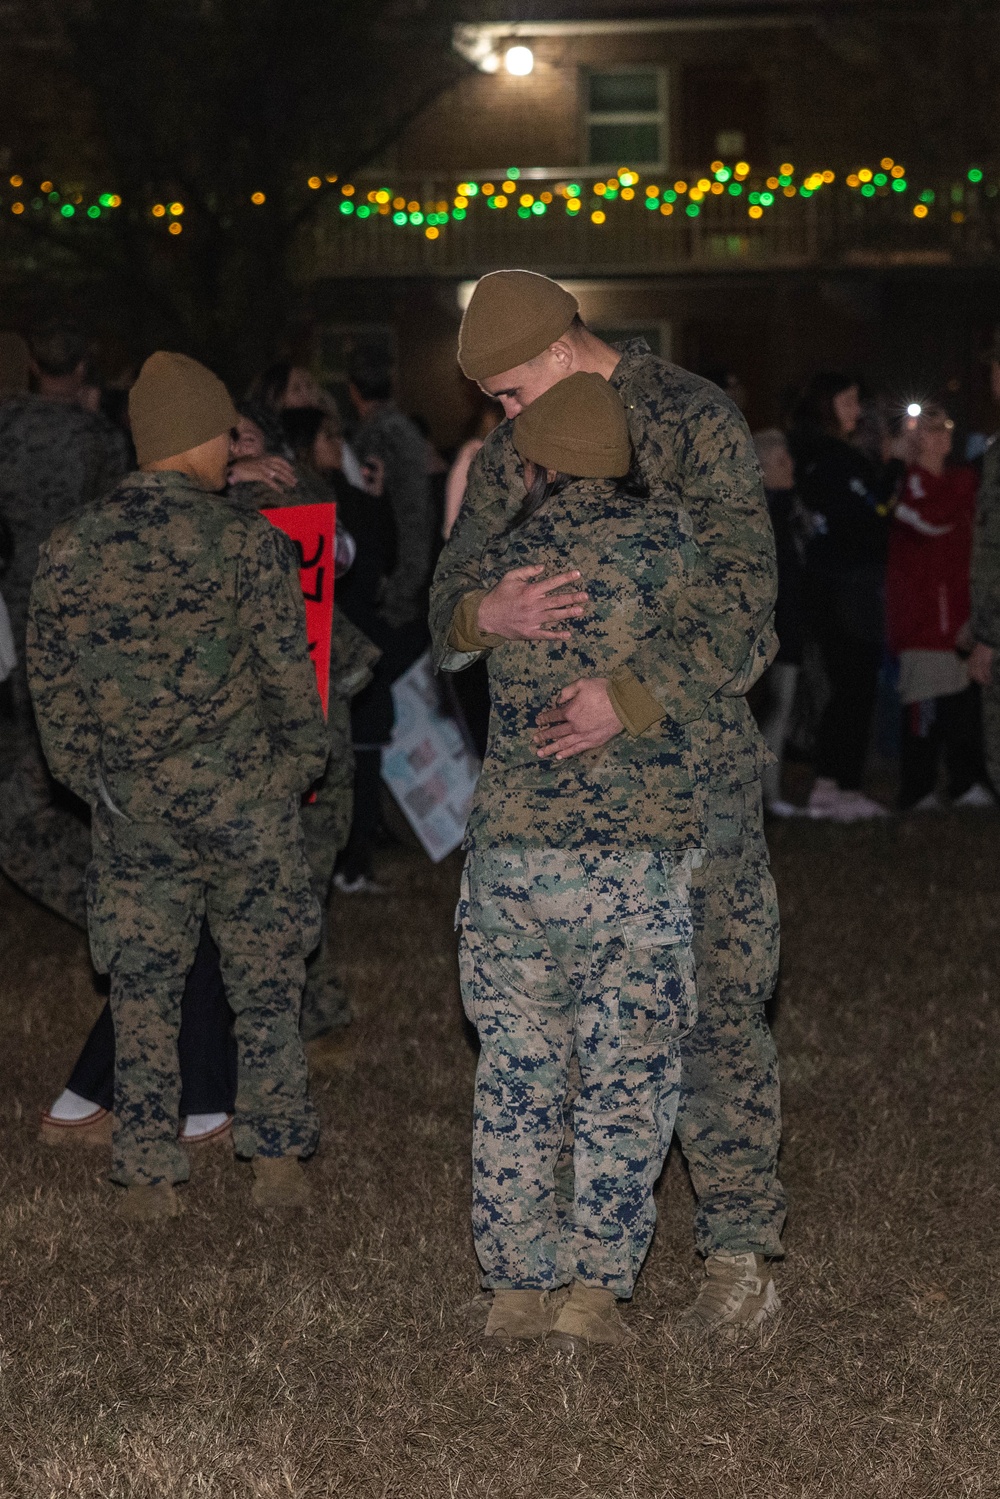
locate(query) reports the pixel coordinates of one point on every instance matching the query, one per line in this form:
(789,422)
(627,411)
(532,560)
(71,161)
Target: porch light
(519,61)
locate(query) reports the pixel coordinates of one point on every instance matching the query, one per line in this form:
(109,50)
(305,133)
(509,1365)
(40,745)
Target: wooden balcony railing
(429,227)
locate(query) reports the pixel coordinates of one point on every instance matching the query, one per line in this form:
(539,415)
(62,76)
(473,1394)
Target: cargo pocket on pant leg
(658,1000)
(466,958)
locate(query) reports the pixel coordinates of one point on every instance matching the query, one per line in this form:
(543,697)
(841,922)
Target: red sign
(313,528)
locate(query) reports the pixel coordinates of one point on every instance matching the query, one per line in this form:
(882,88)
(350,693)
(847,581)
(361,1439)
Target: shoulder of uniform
(672,387)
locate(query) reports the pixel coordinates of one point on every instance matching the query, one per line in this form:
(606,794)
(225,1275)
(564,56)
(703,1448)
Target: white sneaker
(824,798)
(929,803)
(203,1127)
(362,884)
(780,808)
(70,1108)
(976,796)
(854,806)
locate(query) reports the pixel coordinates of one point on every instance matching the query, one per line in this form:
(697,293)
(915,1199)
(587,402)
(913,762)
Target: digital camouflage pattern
(54,458)
(170,672)
(986,598)
(694,452)
(168,658)
(389,435)
(149,885)
(715,636)
(590,950)
(326,818)
(637,558)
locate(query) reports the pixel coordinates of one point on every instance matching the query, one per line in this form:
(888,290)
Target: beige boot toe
(147,1204)
(279,1183)
(588,1319)
(519,1315)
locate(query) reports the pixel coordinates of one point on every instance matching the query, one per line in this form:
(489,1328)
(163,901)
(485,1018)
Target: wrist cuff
(465,634)
(634,704)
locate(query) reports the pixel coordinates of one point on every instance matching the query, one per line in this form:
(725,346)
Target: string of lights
(592,202)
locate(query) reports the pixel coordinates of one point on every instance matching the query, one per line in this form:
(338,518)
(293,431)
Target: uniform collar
(167,481)
(633,351)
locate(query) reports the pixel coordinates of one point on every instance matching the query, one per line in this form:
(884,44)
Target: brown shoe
(279,1182)
(587,1319)
(94,1129)
(146,1204)
(738,1292)
(518,1315)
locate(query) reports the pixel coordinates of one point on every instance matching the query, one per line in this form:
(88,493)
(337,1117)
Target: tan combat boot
(737,1292)
(589,1317)
(279,1182)
(146,1204)
(519,1315)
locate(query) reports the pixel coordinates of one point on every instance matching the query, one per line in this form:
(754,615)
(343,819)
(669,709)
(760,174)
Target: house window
(626,117)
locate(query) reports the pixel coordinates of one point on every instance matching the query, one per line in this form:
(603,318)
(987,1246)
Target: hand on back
(524,606)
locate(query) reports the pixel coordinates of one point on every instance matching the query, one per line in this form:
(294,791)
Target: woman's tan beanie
(175,405)
(512,317)
(578,427)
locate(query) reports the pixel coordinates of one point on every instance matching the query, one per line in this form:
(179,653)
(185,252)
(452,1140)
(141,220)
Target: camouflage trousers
(148,888)
(564,950)
(729,1118)
(326,822)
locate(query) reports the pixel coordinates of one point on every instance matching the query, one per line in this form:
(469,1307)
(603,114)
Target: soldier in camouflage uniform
(984,662)
(521,335)
(54,458)
(174,693)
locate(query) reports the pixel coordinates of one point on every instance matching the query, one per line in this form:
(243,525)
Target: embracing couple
(614,559)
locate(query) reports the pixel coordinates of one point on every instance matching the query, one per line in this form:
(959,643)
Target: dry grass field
(234,1357)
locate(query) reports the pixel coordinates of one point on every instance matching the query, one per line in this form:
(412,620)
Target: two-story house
(747,185)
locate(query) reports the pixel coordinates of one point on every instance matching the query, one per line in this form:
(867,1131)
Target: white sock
(196,1125)
(71,1107)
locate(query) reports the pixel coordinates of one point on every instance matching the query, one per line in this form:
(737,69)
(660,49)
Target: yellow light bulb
(500,200)
(526,200)
(509,186)
(176,228)
(773,182)
(853,180)
(717,188)
(680,187)
(786,169)
(315,182)
(331,176)
(717,166)
(666,209)
(628,193)
(159,209)
(703,184)
(789,192)
(742,168)
(828,176)
(432,232)
(257,198)
(413,206)
(886,163)
(178,208)
(347,190)
(920,210)
(865,175)
(488,189)
(46,187)
(756,212)
(17,181)
(545,197)
(17,208)
(399,204)
(898,172)
(598,216)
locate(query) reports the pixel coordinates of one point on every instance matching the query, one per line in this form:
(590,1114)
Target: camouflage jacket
(986,557)
(640,557)
(54,458)
(390,436)
(694,451)
(168,659)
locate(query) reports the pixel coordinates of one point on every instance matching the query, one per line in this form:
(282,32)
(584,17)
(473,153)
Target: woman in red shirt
(927,610)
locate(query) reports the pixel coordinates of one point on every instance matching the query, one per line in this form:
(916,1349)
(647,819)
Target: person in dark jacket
(843,490)
(779,682)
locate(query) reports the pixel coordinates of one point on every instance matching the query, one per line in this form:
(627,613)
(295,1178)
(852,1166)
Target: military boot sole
(94,1131)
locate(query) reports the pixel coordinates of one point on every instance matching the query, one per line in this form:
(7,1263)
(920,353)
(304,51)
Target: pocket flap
(664,927)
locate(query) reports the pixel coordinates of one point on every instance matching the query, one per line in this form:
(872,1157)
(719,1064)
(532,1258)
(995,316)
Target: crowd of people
(874,529)
(616,588)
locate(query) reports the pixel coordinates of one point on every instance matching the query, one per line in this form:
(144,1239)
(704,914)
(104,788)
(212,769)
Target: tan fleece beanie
(513,315)
(578,427)
(175,405)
